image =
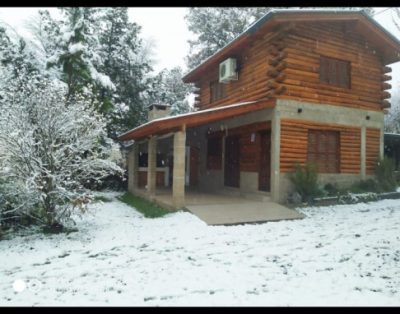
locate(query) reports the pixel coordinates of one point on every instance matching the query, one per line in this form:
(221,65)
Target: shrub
(385,175)
(50,146)
(304,179)
(331,189)
(363,186)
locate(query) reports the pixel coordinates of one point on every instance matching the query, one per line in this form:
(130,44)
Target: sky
(166,28)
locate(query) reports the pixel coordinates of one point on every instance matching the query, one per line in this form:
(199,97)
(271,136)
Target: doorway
(264,172)
(232,162)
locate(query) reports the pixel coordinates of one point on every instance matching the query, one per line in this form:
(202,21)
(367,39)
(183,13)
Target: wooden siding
(372,149)
(285,63)
(306,43)
(252,83)
(294,137)
(249,150)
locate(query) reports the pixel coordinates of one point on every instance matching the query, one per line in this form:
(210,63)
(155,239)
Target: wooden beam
(163,126)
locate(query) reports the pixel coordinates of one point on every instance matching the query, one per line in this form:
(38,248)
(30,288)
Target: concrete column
(382,143)
(363,152)
(275,154)
(178,182)
(133,165)
(151,165)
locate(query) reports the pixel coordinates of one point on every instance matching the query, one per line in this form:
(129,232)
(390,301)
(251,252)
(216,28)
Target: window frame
(329,69)
(323,157)
(217,91)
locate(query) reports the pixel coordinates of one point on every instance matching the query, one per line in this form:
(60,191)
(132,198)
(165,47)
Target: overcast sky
(166,27)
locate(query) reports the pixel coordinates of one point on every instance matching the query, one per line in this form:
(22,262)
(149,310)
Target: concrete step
(262,197)
(254,196)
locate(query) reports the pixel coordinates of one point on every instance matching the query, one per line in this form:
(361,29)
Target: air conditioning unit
(227,71)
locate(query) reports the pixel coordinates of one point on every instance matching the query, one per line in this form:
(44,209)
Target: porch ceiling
(170,124)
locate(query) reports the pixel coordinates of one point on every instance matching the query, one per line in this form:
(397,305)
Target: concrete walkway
(244,212)
(219,209)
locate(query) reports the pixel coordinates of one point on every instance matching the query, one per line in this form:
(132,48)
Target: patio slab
(243,212)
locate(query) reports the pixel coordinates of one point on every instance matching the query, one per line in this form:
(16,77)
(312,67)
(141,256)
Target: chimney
(158,111)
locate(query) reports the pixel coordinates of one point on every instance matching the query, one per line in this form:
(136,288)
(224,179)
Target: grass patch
(147,208)
(101,198)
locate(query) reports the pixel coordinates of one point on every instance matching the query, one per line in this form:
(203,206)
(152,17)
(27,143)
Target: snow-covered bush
(385,174)
(49,148)
(305,181)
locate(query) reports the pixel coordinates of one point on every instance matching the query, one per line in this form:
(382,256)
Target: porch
(226,209)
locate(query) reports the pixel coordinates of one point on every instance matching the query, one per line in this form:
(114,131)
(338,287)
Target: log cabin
(295,87)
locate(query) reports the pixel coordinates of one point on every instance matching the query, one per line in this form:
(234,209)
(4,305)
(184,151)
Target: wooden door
(264,173)
(232,161)
(194,163)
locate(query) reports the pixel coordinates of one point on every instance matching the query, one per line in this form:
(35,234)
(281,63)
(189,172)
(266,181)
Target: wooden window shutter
(323,150)
(335,72)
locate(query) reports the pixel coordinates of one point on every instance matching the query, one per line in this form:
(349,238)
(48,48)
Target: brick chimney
(158,111)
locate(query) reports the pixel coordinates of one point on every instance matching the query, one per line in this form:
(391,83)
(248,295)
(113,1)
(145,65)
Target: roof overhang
(171,124)
(361,21)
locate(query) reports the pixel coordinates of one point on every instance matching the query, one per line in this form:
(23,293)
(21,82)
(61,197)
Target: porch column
(363,152)
(275,155)
(133,164)
(178,183)
(151,165)
(382,143)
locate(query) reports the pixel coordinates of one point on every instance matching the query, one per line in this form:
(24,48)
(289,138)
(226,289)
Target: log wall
(294,137)
(285,64)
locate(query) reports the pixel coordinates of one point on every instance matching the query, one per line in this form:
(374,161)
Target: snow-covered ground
(338,255)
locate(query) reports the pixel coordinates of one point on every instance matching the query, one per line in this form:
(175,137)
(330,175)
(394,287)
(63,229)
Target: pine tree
(78,56)
(121,52)
(168,88)
(215,27)
(18,64)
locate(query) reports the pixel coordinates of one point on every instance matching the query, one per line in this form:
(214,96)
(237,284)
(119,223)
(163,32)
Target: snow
(104,80)
(74,48)
(338,255)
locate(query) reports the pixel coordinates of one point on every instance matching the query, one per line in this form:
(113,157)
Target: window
(334,72)
(217,91)
(214,153)
(323,150)
(143,160)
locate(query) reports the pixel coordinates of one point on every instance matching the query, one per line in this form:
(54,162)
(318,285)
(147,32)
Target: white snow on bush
(338,255)
(74,48)
(104,80)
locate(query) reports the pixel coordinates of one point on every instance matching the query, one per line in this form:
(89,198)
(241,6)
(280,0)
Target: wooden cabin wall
(294,138)
(373,137)
(285,64)
(305,44)
(251,85)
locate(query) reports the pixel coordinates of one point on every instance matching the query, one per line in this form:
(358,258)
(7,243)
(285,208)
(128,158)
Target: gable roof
(366,25)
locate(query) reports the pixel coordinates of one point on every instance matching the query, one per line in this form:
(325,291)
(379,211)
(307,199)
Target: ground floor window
(323,150)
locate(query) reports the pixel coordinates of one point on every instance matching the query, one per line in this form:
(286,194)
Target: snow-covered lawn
(338,255)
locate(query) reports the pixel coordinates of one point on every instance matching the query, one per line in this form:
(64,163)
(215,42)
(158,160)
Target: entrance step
(262,197)
(254,196)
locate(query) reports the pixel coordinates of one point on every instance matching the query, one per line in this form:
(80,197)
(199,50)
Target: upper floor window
(217,91)
(335,72)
